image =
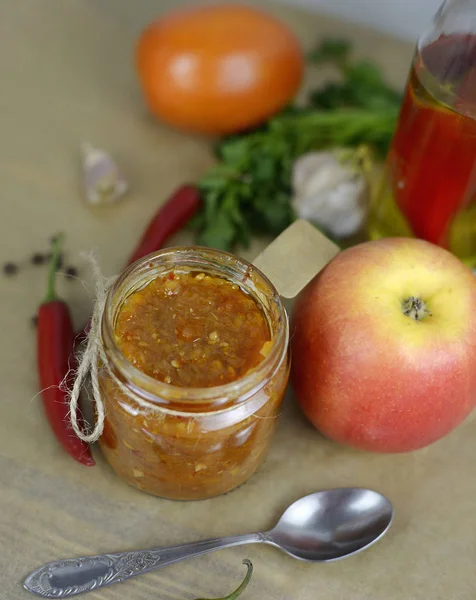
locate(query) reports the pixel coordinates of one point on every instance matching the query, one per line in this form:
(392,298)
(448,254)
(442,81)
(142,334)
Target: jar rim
(165,394)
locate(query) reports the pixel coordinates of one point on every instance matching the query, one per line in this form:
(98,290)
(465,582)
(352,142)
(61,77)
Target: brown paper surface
(295,257)
(67,76)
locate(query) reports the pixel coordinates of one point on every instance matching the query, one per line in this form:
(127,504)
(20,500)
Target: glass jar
(429,184)
(191,443)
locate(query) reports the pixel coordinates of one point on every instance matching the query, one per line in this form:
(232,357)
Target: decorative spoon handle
(68,577)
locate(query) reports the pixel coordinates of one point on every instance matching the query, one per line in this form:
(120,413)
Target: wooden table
(67,76)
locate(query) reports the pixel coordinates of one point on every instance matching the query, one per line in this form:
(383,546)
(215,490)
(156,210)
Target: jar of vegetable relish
(196,342)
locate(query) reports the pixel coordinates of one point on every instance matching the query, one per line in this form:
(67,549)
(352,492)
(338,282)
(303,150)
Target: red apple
(384,345)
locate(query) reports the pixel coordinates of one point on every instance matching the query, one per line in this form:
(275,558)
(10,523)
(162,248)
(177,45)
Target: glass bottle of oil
(429,185)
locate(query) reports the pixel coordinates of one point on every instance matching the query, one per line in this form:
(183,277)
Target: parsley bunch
(249,191)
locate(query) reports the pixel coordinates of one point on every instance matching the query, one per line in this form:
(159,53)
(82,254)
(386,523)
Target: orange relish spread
(192,330)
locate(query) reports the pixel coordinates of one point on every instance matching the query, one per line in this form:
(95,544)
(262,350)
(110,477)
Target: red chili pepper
(55,343)
(170,217)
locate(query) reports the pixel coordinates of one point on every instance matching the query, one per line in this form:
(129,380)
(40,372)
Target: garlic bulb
(103,181)
(329,192)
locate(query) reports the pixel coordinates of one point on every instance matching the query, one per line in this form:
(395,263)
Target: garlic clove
(329,193)
(306,165)
(103,181)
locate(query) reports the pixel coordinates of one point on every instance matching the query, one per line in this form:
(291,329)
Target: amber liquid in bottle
(429,185)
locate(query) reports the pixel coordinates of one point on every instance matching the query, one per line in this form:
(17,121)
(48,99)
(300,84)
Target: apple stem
(415,308)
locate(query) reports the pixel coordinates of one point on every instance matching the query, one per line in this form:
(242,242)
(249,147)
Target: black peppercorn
(71,272)
(10,268)
(38,258)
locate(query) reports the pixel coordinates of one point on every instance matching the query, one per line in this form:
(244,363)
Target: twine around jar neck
(88,363)
(88,366)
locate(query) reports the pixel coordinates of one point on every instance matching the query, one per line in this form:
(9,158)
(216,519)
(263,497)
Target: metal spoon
(321,527)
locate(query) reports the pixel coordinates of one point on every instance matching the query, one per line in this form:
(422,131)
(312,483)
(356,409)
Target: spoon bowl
(332,524)
(321,527)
